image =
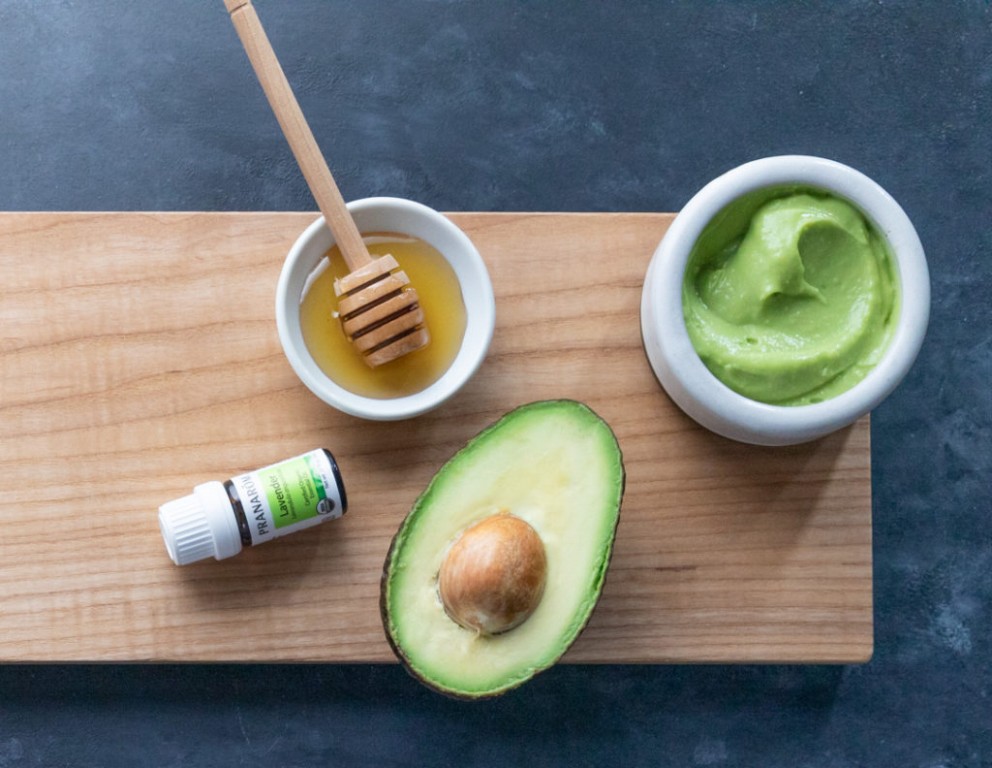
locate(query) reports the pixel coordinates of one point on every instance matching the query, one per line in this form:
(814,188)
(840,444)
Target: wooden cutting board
(139,357)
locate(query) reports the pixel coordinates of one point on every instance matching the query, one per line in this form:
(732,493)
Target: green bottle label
(288,496)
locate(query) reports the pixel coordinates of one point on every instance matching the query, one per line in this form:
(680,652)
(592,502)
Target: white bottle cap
(200,525)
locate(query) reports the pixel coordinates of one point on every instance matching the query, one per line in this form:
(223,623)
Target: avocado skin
(384,580)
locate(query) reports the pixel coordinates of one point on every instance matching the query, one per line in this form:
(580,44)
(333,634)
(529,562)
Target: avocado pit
(492,578)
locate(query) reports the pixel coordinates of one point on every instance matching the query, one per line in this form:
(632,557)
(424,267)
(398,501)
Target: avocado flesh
(556,465)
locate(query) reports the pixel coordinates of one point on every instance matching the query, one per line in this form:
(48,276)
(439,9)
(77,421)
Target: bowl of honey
(455,293)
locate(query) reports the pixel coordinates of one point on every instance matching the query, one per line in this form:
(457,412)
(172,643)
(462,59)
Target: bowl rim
(697,390)
(473,276)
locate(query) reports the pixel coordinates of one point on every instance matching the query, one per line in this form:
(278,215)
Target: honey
(444,315)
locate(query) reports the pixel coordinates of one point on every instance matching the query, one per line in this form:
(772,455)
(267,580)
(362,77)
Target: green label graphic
(294,491)
(292,494)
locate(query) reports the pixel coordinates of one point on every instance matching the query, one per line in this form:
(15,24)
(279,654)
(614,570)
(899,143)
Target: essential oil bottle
(219,518)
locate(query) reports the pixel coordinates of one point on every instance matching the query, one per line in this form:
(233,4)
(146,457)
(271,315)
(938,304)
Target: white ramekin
(387,214)
(680,370)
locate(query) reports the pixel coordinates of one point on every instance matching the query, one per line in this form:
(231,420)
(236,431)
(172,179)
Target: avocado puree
(790,300)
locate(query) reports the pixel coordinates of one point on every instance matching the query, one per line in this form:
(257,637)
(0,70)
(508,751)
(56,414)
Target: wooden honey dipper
(379,309)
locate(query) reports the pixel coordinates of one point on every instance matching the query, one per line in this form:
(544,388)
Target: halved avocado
(553,468)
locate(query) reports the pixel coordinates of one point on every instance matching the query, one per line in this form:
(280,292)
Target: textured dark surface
(118,105)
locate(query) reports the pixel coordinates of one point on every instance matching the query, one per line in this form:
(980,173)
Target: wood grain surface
(139,357)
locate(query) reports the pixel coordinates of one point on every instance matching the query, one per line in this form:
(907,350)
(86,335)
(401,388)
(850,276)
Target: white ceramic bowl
(388,214)
(682,373)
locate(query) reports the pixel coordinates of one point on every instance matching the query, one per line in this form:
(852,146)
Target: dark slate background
(556,106)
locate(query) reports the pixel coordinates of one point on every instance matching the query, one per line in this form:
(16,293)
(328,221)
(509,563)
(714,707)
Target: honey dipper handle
(297,132)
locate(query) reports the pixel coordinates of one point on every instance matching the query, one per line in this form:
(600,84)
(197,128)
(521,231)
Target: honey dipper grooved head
(380,312)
